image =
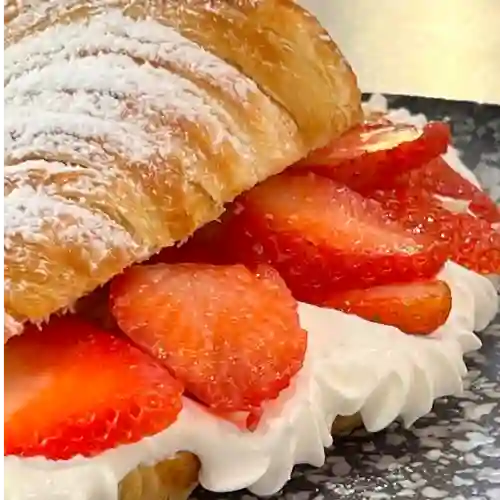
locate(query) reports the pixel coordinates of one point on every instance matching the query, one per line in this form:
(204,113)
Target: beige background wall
(441,48)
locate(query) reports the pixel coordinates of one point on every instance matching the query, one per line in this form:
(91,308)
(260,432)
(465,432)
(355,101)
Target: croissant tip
(11,328)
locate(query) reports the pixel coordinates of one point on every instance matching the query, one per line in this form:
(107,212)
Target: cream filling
(351,366)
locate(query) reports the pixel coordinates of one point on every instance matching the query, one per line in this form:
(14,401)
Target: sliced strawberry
(323,237)
(439,178)
(231,336)
(465,239)
(369,156)
(73,389)
(418,308)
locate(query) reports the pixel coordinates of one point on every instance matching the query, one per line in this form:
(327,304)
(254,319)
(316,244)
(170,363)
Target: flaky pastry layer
(172,479)
(129,124)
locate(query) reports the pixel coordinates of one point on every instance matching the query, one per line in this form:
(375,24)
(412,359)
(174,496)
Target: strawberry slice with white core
(72,389)
(368,156)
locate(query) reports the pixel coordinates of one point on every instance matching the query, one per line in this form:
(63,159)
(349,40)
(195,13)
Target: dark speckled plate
(454,453)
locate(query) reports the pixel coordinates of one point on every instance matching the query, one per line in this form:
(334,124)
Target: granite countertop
(454,452)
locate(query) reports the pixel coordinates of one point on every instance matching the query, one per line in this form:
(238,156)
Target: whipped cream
(351,365)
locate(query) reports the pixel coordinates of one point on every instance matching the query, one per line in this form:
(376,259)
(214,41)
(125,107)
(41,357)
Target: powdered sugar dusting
(33,215)
(121,91)
(114,33)
(28,130)
(92,98)
(16,173)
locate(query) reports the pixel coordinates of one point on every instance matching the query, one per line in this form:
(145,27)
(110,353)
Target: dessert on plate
(215,255)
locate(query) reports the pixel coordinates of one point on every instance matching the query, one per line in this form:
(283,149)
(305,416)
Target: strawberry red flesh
(439,178)
(369,156)
(465,239)
(72,389)
(231,336)
(418,308)
(322,237)
(201,247)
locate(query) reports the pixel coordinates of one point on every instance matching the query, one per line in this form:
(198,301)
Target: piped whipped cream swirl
(351,366)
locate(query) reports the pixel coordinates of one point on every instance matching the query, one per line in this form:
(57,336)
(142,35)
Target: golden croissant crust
(129,124)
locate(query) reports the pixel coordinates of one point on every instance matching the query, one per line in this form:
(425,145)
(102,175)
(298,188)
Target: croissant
(130,124)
